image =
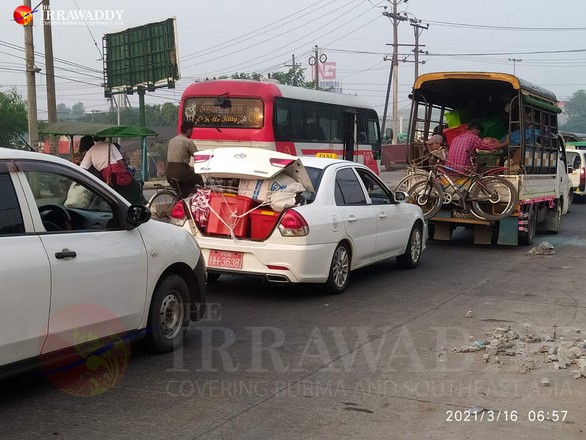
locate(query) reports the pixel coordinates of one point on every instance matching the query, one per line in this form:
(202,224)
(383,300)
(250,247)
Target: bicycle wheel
(493,198)
(410,180)
(428,196)
(162,203)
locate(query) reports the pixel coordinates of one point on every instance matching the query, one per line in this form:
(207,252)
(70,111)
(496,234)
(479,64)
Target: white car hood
(250,163)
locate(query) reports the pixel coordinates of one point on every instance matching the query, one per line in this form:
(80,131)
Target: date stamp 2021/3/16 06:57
(486,415)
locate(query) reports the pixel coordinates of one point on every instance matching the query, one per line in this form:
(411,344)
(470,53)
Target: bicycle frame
(440,172)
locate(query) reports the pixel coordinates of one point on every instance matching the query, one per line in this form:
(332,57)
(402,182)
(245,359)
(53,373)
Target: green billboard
(144,56)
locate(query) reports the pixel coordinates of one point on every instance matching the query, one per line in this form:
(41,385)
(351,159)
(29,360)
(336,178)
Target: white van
(576,159)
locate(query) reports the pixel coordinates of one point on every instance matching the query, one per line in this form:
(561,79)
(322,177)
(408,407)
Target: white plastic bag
(78,197)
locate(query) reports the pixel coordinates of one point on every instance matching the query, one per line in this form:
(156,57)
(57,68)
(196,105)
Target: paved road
(377,362)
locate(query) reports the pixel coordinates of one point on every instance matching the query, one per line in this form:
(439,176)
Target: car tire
(410,259)
(339,270)
(168,315)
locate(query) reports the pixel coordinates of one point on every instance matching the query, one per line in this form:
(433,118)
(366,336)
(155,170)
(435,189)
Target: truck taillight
(582,185)
(293,224)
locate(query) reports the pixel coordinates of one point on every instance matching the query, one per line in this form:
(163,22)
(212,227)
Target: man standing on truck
(464,146)
(180,151)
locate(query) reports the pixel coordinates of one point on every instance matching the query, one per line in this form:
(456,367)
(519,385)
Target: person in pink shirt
(464,146)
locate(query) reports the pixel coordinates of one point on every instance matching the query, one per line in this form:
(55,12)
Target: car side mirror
(400,196)
(570,169)
(137,215)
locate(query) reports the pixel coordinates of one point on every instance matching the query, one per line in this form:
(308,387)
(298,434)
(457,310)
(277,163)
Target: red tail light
(197,158)
(582,179)
(293,224)
(281,163)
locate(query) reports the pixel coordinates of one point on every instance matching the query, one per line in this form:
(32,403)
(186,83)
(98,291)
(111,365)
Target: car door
(574,161)
(359,217)
(25,278)
(98,269)
(393,224)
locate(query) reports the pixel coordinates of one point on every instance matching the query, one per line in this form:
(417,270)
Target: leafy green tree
(63,112)
(169,113)
(576,110)
(13,117)
(576,105)
(77,110)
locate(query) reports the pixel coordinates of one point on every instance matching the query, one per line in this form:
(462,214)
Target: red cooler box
(262,222)
(224,205)
(451,133)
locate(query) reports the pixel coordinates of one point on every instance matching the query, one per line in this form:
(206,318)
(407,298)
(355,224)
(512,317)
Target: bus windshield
(218,112)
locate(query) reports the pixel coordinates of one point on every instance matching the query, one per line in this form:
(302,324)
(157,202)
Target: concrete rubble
(528,349)
(543,248)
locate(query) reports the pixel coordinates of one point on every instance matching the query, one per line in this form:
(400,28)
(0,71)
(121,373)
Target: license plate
(463,215)
(225,259)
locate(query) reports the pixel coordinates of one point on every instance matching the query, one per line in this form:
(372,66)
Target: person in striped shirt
(464,146)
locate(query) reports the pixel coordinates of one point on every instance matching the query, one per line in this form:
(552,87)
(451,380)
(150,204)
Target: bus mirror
(389,133)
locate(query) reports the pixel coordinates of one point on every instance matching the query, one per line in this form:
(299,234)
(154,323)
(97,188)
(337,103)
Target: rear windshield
(315,175)
(221,112)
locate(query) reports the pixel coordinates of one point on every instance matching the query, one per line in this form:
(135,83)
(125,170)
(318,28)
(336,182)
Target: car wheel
(410,259)
(168,315)
(339,269)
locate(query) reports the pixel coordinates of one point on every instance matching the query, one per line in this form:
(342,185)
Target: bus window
(337,116)
(282,120)
(361,127)
(373,133)
(325,121)
(297,121)
(312,129)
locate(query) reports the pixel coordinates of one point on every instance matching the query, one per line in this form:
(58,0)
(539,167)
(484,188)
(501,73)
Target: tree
(63,112)
(576,105)
(13,117)
(77,110)
(576,110)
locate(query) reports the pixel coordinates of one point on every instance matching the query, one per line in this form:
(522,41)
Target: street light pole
(515,61)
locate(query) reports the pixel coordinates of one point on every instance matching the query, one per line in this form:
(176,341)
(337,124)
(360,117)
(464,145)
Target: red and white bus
(288,119)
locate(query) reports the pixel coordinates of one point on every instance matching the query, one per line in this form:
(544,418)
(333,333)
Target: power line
(535,52)
(256,32)
(320,19)
(506,28)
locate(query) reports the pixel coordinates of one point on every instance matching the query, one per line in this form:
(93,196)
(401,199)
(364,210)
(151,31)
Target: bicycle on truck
(487,196)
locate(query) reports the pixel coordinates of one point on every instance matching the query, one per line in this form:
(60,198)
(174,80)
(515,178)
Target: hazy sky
(223,37)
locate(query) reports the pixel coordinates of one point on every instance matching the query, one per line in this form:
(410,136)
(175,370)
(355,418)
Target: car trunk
(246,192)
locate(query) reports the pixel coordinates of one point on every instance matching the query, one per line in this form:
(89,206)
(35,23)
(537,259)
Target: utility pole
(314,61)
(31,86)
(393,74)
(294,67)
(50,73)
(515,61)
(316,67)
(418,29)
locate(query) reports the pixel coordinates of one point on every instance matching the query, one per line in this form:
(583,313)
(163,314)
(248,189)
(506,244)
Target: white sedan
(342,218)
(80,265)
